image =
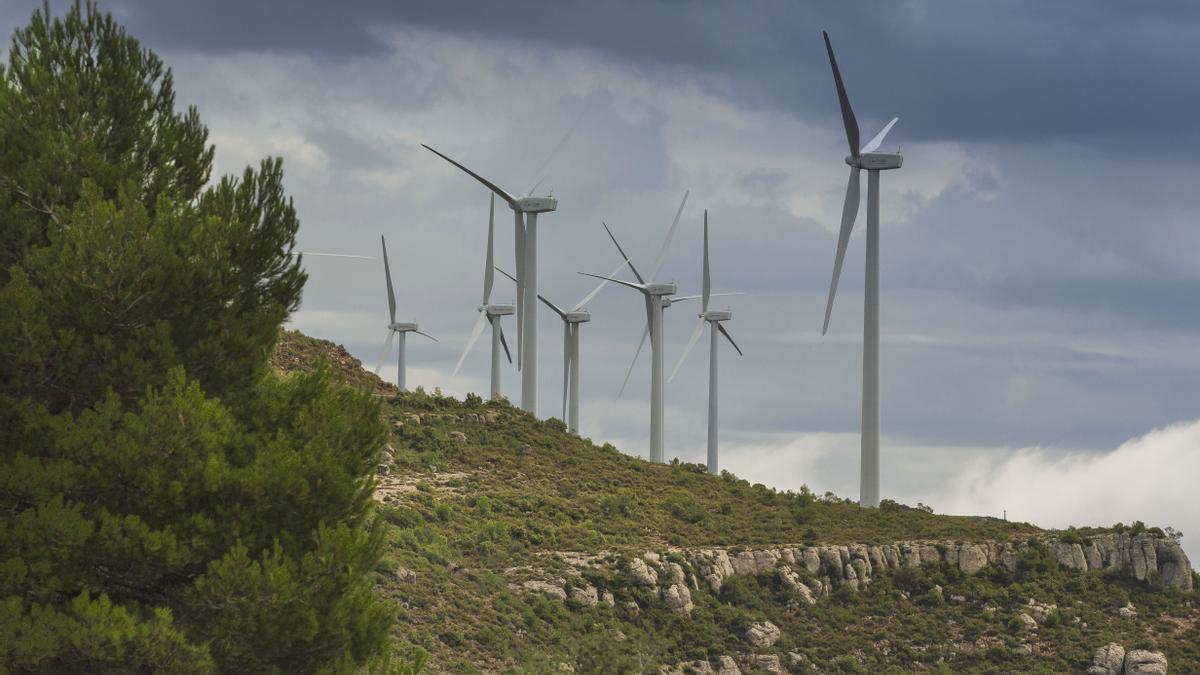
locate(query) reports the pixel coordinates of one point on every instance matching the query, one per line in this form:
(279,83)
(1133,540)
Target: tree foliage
(167,503)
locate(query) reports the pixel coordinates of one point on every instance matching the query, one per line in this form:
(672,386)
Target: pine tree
(166,503)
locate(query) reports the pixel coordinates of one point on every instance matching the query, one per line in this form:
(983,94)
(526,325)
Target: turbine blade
(552,306)
(331,255)
(680,298)
(588,298)
(387,349)
(721,327)
(632,285)
(387,273)
(662,252)
(849,214)
(426,335)
(501,271)
(541,174)
(622,252)
(504,343)
(475,333)
(873,144)
(488,273)
(688,349)
(707,292)
(645,334)
(848,119)
(512,201)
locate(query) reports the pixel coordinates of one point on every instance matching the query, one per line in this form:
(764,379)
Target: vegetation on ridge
(473,516)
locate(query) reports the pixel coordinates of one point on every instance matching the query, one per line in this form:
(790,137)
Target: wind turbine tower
(657,297)
(395,328)
(489,313)
(867,158)
(525,212)
(713,318)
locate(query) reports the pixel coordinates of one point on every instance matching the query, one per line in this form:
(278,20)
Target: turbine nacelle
(660,289)
(498,310)
(876,161)
(536,204)
(577,317)
(716,315)
(403,327)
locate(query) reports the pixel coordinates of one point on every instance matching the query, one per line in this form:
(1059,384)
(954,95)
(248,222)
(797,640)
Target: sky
(1039,269)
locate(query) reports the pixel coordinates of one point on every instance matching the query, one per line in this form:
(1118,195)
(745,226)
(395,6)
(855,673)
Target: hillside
(514,546)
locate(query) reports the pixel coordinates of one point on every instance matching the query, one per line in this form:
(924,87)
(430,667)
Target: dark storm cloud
(1105,72)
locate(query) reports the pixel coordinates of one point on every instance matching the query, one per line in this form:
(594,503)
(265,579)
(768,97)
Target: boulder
(971,558)
(643,574)
(792,582)
(406,575)
(607,598)
(762,634)
(458,437)
(1128,611)
(1108,660)
(586,596)
(1027,622)
(384,469)
(677,599)
(552,590)
(761,663)
(727,666)
(1173,565)
(1145,662)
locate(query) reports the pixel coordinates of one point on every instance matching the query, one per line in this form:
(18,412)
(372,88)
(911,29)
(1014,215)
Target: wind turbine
(395,328)
(525,212)
(714,319)
(489,313)
(657,297)
(573,320)
(874,162)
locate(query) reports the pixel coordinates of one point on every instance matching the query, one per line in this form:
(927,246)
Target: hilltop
(515,546)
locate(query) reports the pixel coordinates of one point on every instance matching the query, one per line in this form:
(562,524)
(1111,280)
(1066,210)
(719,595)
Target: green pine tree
(166,503)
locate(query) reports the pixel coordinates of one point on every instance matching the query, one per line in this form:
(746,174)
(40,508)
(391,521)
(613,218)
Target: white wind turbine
(573,320)
(489,313)
(525,211)
(714,319)
(874,162)
(657,297)
(394,328)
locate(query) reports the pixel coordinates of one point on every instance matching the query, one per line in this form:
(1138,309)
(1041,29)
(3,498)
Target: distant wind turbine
(657,297)
(489,313)
(874,162)
(525,210)
(714,319)
(394,328)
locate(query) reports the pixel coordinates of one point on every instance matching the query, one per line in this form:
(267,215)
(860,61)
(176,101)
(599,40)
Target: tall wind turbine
(395,328)
(657,297)
(489,313)
(573,320)
(874,162)
(525,211)
(714,319)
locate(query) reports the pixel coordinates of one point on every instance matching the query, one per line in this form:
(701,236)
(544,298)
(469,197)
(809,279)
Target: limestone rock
(458,437)
(1128,611)
(1027,622)
(631,609)
(643,574)
(1173,565)
(674,574)
(971,558)
(1108,660)
(727,666)
(761,663)
(406,575)
(607,598)
(552,590)
(792,582)
(762,634)
(384,469)
(677,599)
(586,596)
(1144,662)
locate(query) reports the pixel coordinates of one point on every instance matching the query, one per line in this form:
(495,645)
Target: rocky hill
(516,547)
